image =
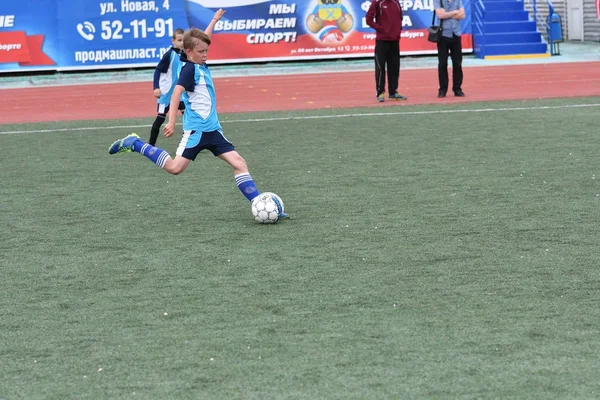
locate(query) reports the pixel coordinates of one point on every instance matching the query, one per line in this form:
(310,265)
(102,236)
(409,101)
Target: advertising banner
(264,30)
(99,34)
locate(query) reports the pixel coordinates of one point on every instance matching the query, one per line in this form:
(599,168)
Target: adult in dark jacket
(385,16)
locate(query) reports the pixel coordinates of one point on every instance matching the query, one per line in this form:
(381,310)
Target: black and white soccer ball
(267,208)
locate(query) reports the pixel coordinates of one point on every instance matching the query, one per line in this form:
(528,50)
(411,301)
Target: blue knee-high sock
(157,155)
(246,186)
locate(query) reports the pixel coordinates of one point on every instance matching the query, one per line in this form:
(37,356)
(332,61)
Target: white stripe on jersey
(200,100)
(166,80)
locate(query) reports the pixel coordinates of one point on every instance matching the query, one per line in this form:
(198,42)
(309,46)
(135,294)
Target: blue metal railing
(478,15)
(478,18)
(544,24)
(540,21)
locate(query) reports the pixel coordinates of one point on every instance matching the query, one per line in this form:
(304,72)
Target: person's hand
(157,93)
(219,14)
(169,129)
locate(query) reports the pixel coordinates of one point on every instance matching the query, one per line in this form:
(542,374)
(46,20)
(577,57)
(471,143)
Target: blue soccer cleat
(123,145)
(283,215)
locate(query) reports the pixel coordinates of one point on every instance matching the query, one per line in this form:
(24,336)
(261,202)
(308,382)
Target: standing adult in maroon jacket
(385,16)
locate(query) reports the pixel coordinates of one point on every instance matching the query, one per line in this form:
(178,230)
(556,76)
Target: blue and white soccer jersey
(169,67)
(201,127)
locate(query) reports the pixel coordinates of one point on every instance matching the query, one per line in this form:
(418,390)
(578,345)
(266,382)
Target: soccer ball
(267,208)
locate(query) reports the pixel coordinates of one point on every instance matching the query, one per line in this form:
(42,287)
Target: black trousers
(387,53)
(454,46)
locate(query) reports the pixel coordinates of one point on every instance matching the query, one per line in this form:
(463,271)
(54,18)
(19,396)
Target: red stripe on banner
(17,47)
(36,55)
(598,8)
(13,47)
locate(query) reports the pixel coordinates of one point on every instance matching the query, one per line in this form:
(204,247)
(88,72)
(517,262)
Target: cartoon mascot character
(330,20)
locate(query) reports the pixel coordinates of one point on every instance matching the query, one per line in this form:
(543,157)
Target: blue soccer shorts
(193,142)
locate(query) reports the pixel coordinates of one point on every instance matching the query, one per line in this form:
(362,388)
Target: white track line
(309,117)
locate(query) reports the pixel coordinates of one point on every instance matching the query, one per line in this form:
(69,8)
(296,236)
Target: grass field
(432,252)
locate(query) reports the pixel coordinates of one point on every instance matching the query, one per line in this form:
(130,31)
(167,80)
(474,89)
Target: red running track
(303,91)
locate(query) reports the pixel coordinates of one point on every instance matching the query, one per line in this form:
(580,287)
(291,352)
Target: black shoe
(441,94)
(459,93)
(397,96)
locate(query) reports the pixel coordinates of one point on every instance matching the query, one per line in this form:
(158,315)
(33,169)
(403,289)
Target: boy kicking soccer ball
(201,127)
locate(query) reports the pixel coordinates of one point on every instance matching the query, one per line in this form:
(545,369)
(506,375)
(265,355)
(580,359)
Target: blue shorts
(164,108)
(193,142)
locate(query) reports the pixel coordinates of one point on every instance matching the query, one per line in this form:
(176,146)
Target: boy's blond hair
(193,36)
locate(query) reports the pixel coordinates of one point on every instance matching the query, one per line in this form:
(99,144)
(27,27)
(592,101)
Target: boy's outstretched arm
(169,128)
(218,15)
